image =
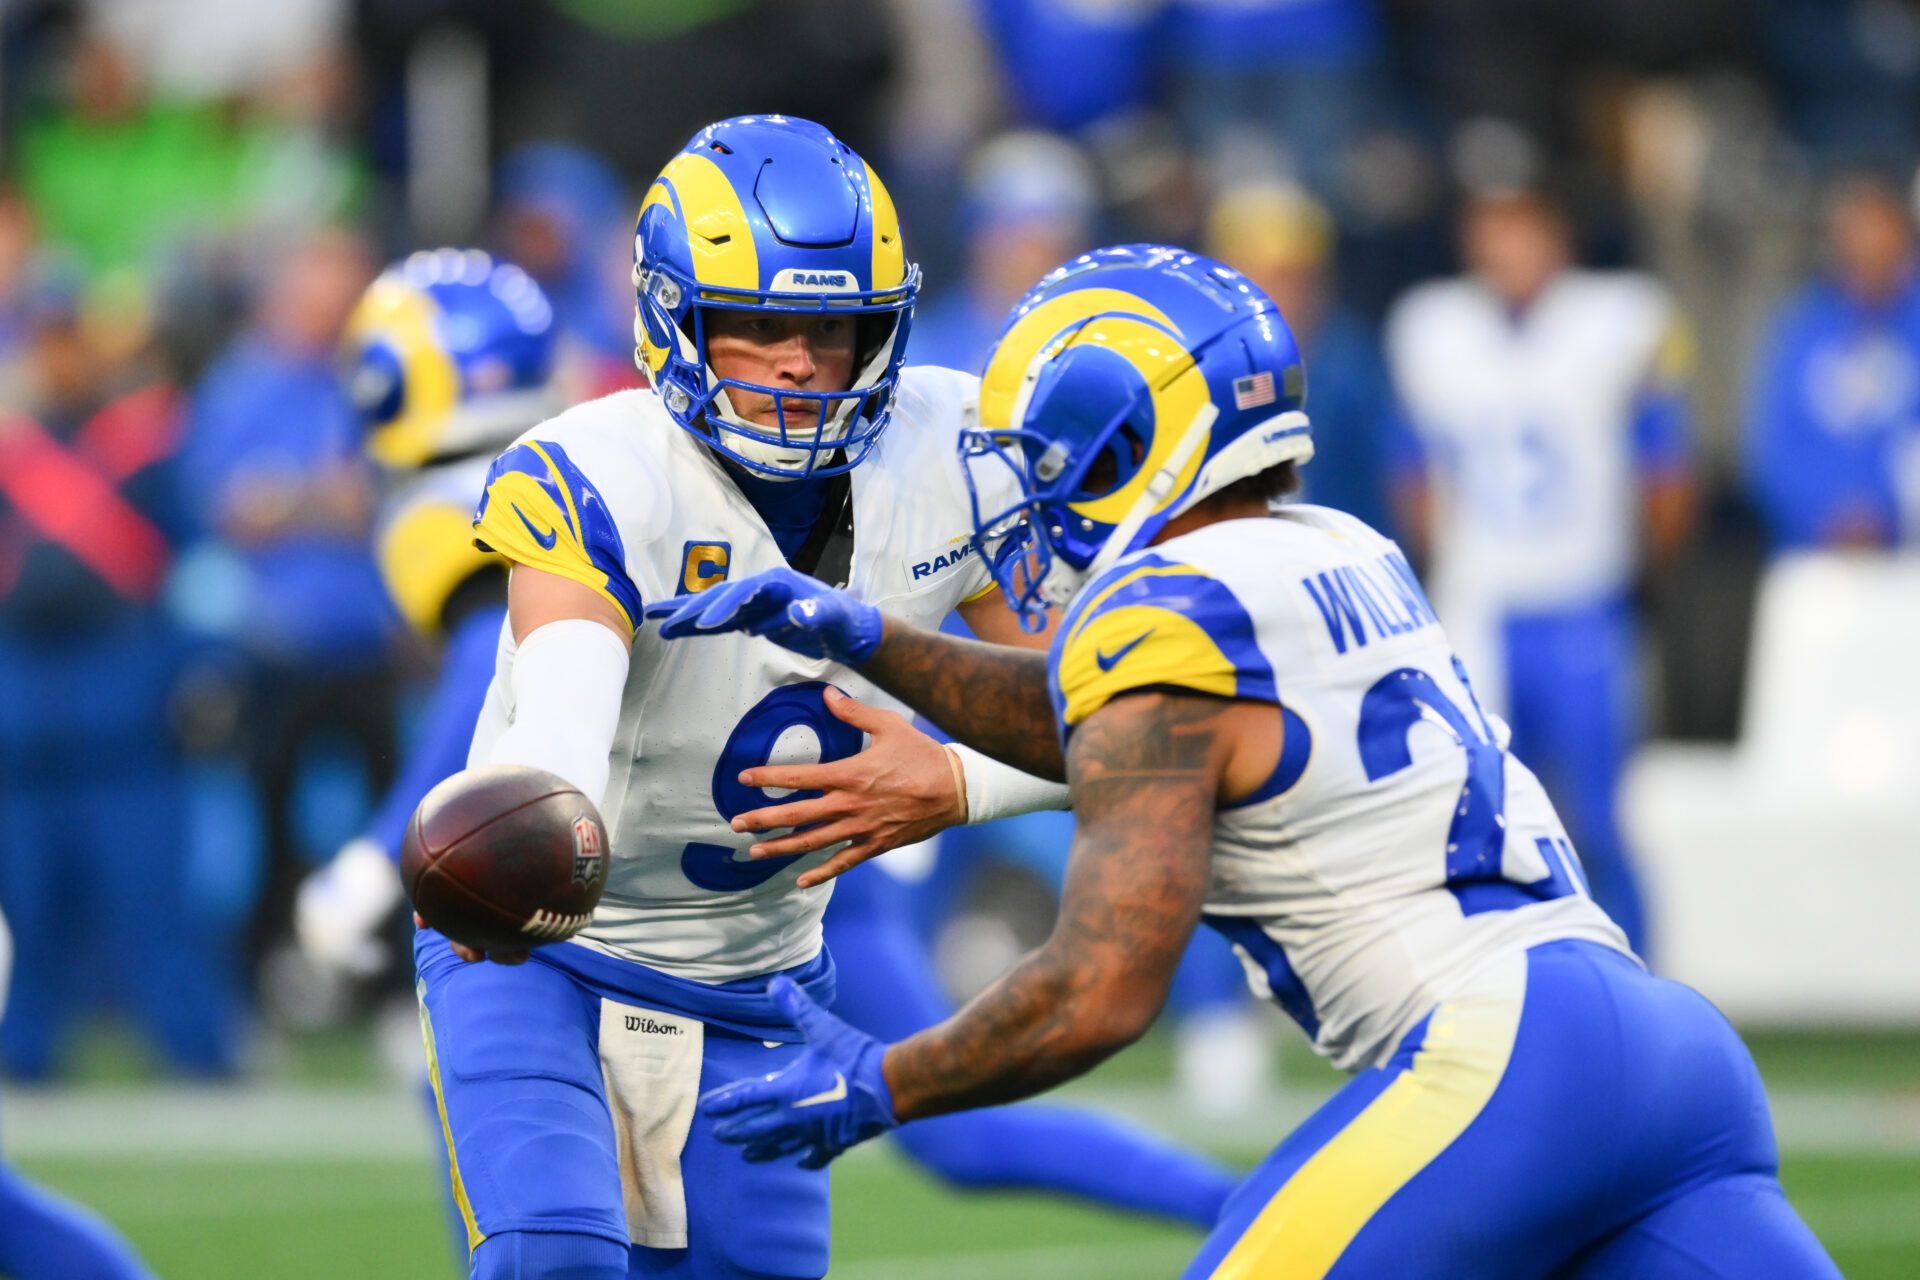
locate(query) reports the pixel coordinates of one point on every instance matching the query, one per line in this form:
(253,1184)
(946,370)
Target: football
(505,857)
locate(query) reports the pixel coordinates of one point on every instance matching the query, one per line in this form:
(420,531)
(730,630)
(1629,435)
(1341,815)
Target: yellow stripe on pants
(474,1238)
(1314,1217)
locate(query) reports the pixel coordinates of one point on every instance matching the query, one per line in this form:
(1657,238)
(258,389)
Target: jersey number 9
(719,867)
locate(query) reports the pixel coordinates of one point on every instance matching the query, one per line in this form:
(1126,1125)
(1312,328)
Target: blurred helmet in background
(1269,226)
(770,213)
(1128,386)
(448,353)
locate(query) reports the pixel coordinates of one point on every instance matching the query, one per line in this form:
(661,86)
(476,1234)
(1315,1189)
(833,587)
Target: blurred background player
(1833,414)
(562,214)
(274,466)
(90,661)
(1546,462)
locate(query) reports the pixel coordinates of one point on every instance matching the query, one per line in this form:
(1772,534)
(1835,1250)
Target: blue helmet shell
(449,351)
(771,213)
(1127,386)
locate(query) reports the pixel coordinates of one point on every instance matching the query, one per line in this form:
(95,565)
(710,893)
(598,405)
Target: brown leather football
(505,857)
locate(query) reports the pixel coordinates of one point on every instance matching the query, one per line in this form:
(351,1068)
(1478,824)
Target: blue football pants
(1568,1116)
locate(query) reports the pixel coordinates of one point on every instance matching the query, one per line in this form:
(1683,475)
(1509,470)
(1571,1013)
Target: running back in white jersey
(614,495)
(1398,846)
(1529,420)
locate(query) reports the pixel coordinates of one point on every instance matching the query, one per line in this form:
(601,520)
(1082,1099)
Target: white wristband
(996,790)
(567,681)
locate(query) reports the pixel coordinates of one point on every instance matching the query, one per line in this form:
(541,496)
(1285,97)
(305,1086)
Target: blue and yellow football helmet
(770,213)
(1127,386)
(449,352)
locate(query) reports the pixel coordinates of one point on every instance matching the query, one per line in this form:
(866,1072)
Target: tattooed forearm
(991,697)
(1145,771)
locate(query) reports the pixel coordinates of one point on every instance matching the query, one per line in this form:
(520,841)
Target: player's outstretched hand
(785,606)
(834,1096)
(902,789)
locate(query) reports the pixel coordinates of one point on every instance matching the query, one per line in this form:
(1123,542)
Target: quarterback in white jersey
(659,517)
(1265,730)
(773,299)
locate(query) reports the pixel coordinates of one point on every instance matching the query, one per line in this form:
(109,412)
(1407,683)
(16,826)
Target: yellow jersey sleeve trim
(1136,646)
(522,522)
(424,556)
(982,593)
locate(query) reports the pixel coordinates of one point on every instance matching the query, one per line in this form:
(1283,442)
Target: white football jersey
(1398,847)
(615,495)
(1528,421)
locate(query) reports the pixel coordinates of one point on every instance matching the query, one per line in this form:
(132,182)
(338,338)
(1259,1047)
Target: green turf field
(331,1179)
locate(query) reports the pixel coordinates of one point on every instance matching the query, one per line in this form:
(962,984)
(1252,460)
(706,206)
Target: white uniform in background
(614,495)
(1529,424)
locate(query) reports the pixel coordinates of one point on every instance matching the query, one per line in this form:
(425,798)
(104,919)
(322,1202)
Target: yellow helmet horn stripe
(889,251)
(405,318)
(724,254)
(1130,327)
(1015,352)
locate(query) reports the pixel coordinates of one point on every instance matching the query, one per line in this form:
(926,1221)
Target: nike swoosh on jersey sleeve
(540,510)
(1156,623)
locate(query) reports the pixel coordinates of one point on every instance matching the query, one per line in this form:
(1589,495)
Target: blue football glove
(833,1096)
(785,606)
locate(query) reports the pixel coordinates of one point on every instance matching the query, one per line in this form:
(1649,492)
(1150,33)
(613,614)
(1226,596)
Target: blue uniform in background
(314,623)
(263,414)
(94,859)
(1833,419)
(1352,407)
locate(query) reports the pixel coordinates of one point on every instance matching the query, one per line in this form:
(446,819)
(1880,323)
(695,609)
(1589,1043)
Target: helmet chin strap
(1158,490)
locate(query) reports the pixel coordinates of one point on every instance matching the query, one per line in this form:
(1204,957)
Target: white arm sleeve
(567,680)
(996,790)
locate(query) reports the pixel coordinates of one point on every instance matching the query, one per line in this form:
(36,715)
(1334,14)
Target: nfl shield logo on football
(587,859)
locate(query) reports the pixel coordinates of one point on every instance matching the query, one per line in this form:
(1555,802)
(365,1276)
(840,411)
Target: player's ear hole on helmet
(1114,465)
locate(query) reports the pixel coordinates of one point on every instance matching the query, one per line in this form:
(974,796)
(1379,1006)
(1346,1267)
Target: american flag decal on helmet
(1253,390)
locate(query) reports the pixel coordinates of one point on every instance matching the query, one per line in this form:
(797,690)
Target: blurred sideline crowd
(1686,229)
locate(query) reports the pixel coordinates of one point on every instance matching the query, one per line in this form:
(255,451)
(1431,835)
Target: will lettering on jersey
(1382,594)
